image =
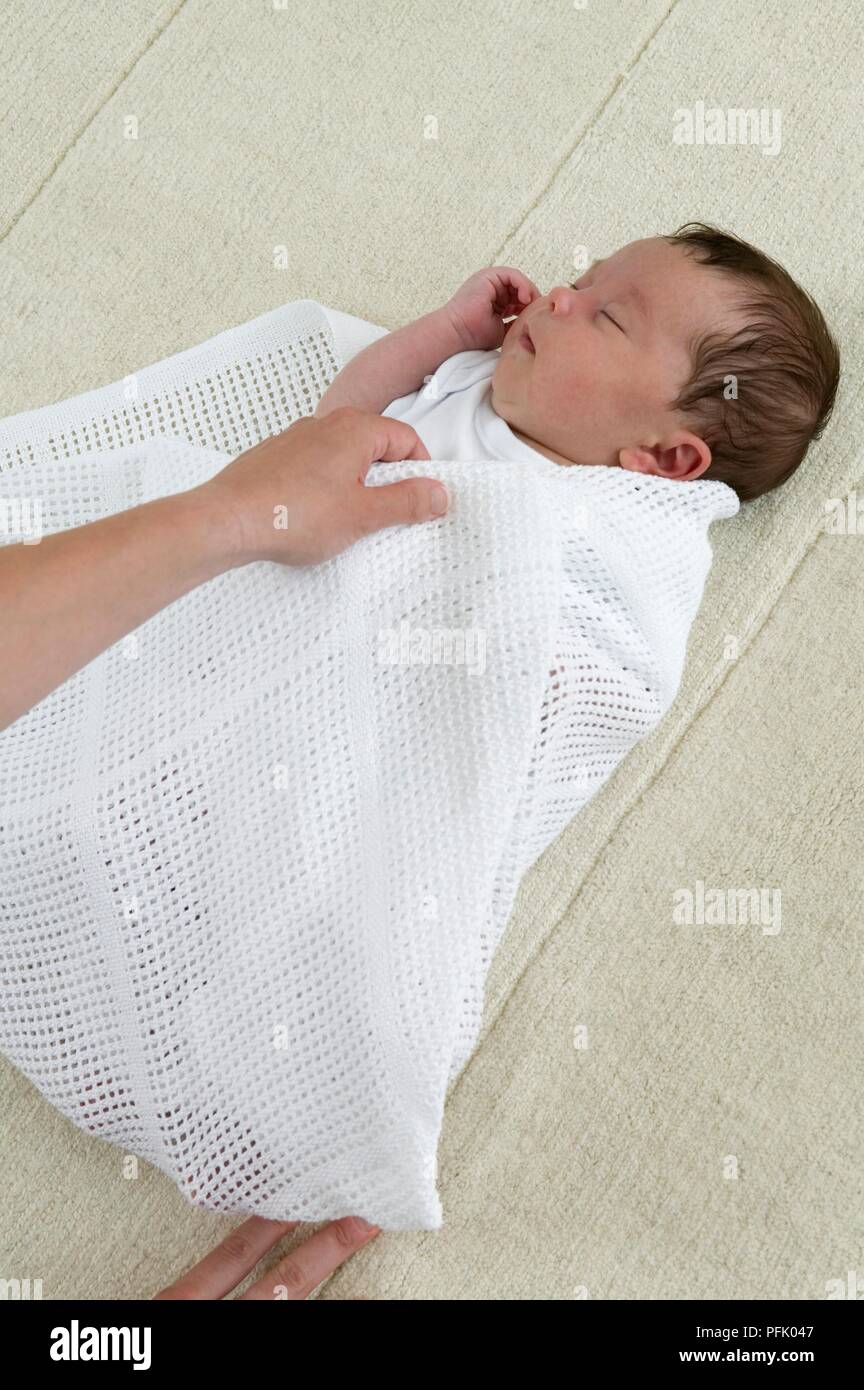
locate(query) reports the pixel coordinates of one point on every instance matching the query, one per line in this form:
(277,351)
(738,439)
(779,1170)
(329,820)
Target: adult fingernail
(438,500)
(362,1227)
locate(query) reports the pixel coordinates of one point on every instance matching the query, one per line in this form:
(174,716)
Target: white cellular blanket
(257,856)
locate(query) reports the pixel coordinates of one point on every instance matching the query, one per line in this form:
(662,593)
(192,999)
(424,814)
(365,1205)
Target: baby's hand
(478,307)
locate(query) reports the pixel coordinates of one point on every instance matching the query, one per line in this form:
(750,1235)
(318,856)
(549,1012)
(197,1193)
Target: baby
(687,356)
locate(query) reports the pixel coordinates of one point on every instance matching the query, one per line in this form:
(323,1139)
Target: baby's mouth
(525,341)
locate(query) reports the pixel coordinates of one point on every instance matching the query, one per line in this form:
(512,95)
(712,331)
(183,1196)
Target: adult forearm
(297,498)
(75,593)
(394,365)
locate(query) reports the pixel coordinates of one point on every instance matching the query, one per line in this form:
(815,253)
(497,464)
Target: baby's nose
(562,299)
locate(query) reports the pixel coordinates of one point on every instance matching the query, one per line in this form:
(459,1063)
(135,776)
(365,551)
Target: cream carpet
(654,1110)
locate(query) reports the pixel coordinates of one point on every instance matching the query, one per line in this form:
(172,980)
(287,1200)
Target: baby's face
(607,358)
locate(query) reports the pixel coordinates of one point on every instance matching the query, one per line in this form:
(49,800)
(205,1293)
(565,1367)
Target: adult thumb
(397,504)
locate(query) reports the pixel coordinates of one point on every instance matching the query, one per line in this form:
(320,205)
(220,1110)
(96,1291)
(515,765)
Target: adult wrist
(211,529)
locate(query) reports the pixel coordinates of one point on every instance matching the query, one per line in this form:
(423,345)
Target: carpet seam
(22,212)
(621,78)
(541,945)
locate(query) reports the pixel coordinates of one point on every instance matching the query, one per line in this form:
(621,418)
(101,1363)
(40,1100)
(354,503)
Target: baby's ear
(639,460)
(680,455)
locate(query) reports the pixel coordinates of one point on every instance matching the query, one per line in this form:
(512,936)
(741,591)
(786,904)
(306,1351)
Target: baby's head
(686,356)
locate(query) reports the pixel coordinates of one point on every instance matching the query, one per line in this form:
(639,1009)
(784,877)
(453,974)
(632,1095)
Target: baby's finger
(513,282)
(515,308)
(528,292)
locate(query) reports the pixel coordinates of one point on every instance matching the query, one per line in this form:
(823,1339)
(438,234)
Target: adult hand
(299,496)
(294,1277)
(65,600)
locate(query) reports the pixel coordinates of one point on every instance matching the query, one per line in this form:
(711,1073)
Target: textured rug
(657,1108)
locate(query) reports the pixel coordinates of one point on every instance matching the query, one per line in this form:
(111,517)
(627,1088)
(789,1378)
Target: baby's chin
(498,385)
(497,401)
(499,396)
(527,439)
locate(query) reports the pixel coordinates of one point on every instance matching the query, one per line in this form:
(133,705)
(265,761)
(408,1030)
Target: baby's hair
(760,395)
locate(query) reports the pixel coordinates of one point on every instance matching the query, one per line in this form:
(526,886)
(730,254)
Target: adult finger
(369,438)
(228,1264)
(304,1267)
(419,451)
(402,503)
